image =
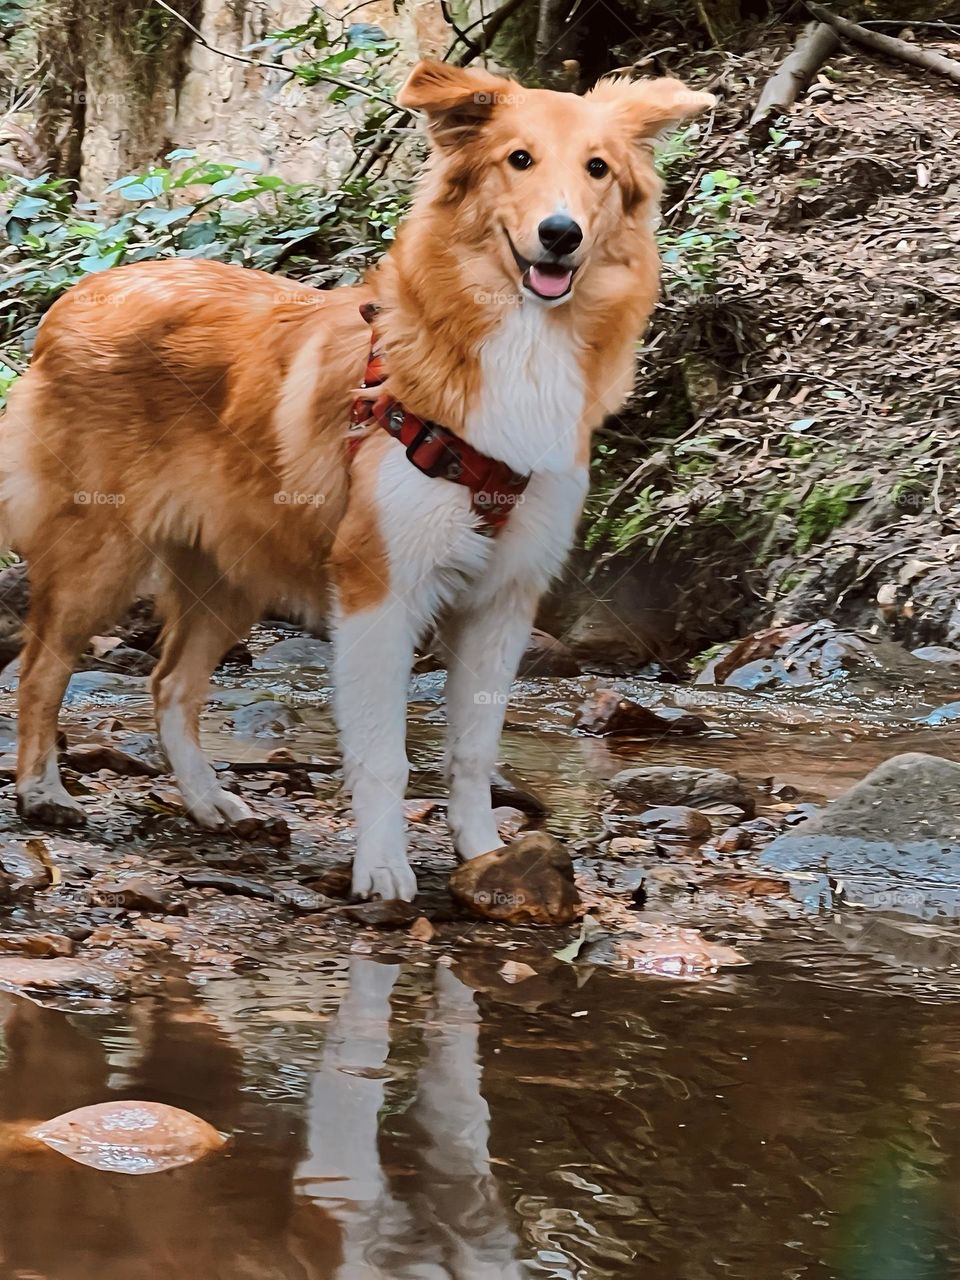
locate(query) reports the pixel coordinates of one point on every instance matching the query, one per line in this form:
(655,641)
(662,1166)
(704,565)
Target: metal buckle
(447,465)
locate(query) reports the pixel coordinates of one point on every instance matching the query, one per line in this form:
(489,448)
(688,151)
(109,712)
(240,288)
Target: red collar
(494,488)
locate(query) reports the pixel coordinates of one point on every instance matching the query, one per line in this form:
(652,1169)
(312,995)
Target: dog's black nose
(560,234)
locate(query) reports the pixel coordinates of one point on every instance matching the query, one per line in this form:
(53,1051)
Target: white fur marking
(532,397)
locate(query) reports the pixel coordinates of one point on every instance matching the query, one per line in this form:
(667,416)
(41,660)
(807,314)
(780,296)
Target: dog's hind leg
(80,582)
(205,616)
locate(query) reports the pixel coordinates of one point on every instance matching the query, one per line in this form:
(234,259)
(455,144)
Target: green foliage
(693,256)
(824,509)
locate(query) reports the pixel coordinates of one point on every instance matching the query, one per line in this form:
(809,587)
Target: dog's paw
(380,876)
(51,808)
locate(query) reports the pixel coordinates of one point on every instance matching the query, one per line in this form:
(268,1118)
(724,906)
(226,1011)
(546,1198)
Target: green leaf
(28,207)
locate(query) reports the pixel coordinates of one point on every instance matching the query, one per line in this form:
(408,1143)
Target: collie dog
(191,421)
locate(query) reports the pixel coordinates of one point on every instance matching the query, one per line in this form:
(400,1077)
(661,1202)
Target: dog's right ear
(455,100)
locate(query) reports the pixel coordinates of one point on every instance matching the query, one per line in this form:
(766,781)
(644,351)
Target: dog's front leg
(373,654)
(484,645)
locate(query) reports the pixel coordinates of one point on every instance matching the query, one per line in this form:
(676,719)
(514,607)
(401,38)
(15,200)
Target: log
(815,45)
(901,50)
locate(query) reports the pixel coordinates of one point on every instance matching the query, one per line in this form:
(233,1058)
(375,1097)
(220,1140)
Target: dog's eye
(597,168)
(520,159)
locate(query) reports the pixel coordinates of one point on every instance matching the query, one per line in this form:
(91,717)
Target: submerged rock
(266,718)
(682,785)
(606,713)
(61,976)
(527,882)
(298,651)
(893,840)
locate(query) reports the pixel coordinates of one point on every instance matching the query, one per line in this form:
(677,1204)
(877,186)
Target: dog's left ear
(652,107)
(455,100)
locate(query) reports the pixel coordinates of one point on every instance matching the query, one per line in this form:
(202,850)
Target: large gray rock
(893,840)
(298,651)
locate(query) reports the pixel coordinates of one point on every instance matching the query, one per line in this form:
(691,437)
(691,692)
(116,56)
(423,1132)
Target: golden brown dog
(189,419)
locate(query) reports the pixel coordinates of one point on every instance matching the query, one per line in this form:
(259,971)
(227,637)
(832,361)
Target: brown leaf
(516,971)
(422,930)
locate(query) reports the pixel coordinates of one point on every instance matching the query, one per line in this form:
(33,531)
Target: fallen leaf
(516,971)
(422,930)
(588,931)
(129,1137)
(675,953)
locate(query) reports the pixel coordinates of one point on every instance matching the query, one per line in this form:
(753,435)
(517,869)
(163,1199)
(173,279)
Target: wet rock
(732,840)
(224,883)
(606,713)
(527,882)
(129,1137)
(507,788)
(123,659)
(545,655)
(682,785)
(28,863)
(91,757)
(14,602)
(299,651)
(36,944)
(61,976)
(336,882)
(237,655)
(949,713)
(510,822)
(301,900)
(383,913)
(820,653)
(938,653)
(261,719)
(677,821)
(627,846)
(892,841)
(146,748)
(136,894)
(101,686)
(673,953)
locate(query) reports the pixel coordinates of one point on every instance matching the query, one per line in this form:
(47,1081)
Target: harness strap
(495,489)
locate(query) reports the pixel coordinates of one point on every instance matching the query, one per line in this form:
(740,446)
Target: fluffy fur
(187,420)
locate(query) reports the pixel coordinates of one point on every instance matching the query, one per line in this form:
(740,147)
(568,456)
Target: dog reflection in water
(451,1224)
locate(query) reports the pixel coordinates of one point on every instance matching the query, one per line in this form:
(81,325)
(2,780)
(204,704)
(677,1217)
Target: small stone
(677,820)
(265,719)
(422,930)
(733,839)
(136,895)
(606,713)
(527,882)
(36,944)
(622,846)
(383,913)
(91,757)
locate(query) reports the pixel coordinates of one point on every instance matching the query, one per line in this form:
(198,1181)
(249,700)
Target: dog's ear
(652,107)
(455,100)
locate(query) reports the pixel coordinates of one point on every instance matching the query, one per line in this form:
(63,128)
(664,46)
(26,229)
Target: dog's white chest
(532,393)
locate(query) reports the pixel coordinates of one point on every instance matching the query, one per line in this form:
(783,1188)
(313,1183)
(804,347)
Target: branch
(817,42)
(901,50)
(273,66)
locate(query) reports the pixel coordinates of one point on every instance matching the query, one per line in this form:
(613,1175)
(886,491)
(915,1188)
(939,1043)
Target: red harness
(494,488)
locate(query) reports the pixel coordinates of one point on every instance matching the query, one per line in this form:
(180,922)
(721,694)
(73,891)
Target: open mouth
(547,278)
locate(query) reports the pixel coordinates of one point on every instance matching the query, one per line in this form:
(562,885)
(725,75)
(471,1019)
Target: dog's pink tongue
(549,283)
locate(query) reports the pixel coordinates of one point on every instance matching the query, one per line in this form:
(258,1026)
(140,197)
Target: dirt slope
(801,417)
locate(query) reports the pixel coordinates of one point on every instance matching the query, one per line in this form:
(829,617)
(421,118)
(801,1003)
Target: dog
(192,420)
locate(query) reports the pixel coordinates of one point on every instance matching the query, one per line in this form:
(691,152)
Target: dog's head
(555,181)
